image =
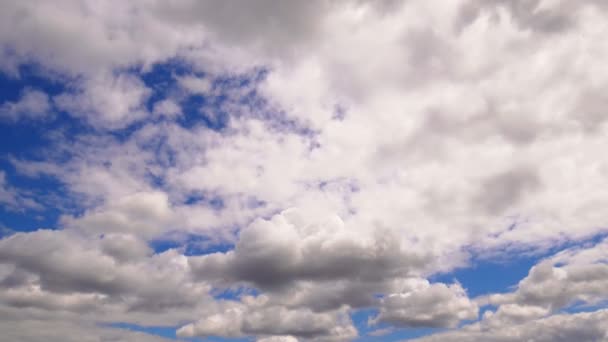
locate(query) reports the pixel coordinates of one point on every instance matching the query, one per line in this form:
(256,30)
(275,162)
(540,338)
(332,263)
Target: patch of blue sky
(234,293)
(33,140)
(162,331)
(201,198)
(161,78)
(585,307)
(407,334)
(190,244)
(361,318)
(29,219)
(200,109)
(22,140)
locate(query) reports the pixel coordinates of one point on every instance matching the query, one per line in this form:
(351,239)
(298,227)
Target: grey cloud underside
(59,271)
(402,135)
(278,252)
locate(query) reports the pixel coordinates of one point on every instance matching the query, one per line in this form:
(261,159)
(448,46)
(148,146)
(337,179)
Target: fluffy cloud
(427,305)
(277,252)
(106,101)
(143,213)
(107,275)
(324,266)
(255,317)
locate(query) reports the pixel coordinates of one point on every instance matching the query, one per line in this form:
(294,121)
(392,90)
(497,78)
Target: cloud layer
(270,170)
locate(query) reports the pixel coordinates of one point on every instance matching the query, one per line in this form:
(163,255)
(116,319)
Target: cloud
(167,108)
(539,306)
(427,305)
(195,85)
(274,253)
(108,275)
(106,101)
(143,213)
(573,276)
(278,339)
(564,327)
(256,318)
(32,105)
(70,331)
(324,266)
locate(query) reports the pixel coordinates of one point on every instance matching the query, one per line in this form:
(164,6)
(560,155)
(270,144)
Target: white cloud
(106,278)
(427,305)
(32,105)
(167,108)
(257,318)
(289,247)
(195,85)
(107,101)
(144,213)
(278,339)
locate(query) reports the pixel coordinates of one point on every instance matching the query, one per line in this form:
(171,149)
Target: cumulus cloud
(285,249)
(255,317)
(427,305)
(61,270)
(324,266)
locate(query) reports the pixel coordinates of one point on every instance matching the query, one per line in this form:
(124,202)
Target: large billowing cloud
(266,169)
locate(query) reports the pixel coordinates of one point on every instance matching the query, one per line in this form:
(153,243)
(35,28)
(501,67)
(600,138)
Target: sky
(284,171)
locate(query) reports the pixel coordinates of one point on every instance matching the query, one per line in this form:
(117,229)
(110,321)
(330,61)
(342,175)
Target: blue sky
(273,172)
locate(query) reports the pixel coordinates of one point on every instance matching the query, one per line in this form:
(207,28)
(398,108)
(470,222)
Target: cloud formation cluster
(303,161)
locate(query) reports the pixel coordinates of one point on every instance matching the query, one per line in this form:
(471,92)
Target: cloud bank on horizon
(286,171)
